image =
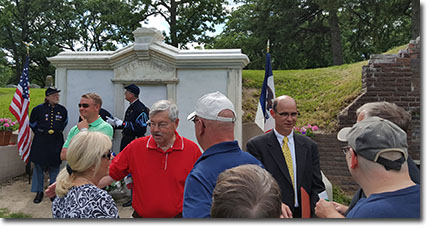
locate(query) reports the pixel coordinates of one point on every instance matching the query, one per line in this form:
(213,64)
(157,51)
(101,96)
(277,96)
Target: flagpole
(268,46)
(28,164)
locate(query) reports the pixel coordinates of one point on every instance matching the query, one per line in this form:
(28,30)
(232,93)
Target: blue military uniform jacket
(47,123)
(135,119)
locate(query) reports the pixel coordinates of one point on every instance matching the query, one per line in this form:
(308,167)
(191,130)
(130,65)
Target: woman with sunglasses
(88,159)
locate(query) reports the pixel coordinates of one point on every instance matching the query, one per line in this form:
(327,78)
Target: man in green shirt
(89,108)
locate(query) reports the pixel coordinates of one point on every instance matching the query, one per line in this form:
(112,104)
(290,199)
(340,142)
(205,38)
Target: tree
(315,33)
(332,7)
(296,30)
(371,27)
(55,25)
(104,24)
(26,20)
(189,20)
(415,19)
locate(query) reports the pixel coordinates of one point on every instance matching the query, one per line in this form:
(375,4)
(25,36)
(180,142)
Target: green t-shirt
(98,125)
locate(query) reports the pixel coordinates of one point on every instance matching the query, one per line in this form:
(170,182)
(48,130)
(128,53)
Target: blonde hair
(85,151)
(95,97)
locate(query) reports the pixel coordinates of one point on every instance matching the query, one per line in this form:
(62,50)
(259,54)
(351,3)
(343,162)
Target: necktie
(288,159)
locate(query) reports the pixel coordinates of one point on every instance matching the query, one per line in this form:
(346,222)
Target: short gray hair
(164,105)
(386,110)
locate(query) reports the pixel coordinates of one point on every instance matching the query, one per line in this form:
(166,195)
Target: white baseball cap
(210,105)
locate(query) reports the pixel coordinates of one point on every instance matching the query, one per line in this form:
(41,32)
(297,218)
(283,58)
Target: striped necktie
(288,159)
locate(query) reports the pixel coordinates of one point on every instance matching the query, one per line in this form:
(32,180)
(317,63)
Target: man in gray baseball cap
(375,136)
(376,155)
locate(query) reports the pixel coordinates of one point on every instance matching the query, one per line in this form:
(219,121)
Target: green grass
(37,96)
(340,196)
(320,93)
(5,213)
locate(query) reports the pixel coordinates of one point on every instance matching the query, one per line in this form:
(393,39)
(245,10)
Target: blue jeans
(38,176)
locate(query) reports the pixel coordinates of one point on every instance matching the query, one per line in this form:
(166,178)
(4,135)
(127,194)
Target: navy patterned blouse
(85,201)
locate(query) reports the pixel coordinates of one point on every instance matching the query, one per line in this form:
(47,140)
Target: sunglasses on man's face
(84,105)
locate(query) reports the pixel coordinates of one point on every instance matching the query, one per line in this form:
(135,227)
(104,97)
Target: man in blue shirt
(376,157)
(213,118)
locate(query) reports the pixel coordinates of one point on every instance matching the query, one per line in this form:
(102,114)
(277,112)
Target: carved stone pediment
(145,71)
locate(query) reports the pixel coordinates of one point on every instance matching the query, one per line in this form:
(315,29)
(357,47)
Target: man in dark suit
(280,147)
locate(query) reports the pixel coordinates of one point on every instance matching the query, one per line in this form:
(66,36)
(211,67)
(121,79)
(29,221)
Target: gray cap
(373,136)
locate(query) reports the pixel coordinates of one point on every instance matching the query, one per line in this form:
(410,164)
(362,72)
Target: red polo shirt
(158,176)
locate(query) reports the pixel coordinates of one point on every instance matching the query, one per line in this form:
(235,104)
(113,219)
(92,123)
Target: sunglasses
(107,155)
(84,105)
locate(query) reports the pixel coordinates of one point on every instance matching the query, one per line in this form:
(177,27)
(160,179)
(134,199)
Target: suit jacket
(266,148)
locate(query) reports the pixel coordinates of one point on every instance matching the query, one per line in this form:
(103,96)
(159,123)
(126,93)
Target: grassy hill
(320,93)
(37,95)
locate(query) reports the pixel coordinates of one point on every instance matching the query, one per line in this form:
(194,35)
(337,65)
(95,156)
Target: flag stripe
(263,118)
(19,108)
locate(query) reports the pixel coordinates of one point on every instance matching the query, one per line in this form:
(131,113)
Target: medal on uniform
(50,131)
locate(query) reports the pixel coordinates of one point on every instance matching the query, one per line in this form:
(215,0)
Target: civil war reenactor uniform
(47,121)
(136,116)
(134,124)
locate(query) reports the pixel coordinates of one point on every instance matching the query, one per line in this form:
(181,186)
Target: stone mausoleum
(161,72)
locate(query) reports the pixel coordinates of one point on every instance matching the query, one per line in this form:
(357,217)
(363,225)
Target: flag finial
(28,47)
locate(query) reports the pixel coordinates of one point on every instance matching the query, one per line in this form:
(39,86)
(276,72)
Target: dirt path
(15,195)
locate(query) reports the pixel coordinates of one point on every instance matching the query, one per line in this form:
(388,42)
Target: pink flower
(6,125)
(315,128)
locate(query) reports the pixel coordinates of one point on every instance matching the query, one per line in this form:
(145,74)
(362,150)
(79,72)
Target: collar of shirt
(280,137)
(96,122)
(177,145)
(133,101)
(220,148)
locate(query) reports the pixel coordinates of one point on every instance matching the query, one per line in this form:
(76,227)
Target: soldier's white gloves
(110,121)
(118,122)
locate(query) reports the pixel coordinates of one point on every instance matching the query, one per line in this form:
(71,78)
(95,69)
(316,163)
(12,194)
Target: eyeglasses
(286,114)
(84,105)
(160,125)
(196,119)
(107,155)
(346,149)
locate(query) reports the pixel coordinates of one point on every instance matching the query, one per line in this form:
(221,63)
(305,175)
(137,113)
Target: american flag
(19,108)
